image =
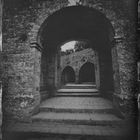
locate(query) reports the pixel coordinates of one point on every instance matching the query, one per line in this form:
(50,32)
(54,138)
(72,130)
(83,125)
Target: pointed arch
(87,73)
(68,75)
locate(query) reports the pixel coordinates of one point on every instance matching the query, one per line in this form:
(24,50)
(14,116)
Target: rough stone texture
(77,59)
(22,21)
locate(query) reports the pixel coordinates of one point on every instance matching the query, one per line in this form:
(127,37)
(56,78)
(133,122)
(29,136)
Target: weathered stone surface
(77,60)
(27,71)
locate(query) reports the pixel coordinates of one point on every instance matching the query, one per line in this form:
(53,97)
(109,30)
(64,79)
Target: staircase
(75,113)
(72,90)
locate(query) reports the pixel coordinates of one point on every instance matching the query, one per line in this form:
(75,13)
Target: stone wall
(22,70)
(77,59)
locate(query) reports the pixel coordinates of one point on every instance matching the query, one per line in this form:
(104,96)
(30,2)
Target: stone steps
(75,94)
(77,104)
(73,118)
(77,91)
(75,110)
(78,86)
(78,118)
(55,131)
(68,110)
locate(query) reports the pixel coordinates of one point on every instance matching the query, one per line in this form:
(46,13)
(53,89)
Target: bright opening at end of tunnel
(68,46)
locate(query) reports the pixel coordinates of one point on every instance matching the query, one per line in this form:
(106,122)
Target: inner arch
(75,23)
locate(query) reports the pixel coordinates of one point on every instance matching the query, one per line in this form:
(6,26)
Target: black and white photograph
(70,69)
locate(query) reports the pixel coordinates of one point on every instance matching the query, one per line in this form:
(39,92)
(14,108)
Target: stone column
(20,90)
(50,71)
(127,61)
(116,77)
(76,76)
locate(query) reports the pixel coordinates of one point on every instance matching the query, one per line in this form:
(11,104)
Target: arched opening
(67,63)
(68,75)
(87,73)
(75,23)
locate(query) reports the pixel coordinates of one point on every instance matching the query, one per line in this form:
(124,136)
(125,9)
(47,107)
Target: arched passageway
(76,23)
(68,75)
(87,73)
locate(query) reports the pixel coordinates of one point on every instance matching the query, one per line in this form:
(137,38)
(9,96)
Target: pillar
(116,77)
(21,93)
(125,97)
(77,76)
(51,71)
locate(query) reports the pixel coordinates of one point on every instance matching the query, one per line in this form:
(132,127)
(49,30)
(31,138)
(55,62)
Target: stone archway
(87,73)
(72,23)
(68,75)
(54,28)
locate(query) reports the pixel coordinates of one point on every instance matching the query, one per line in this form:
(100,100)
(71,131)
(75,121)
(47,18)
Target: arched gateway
(76,23)
(30,75)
